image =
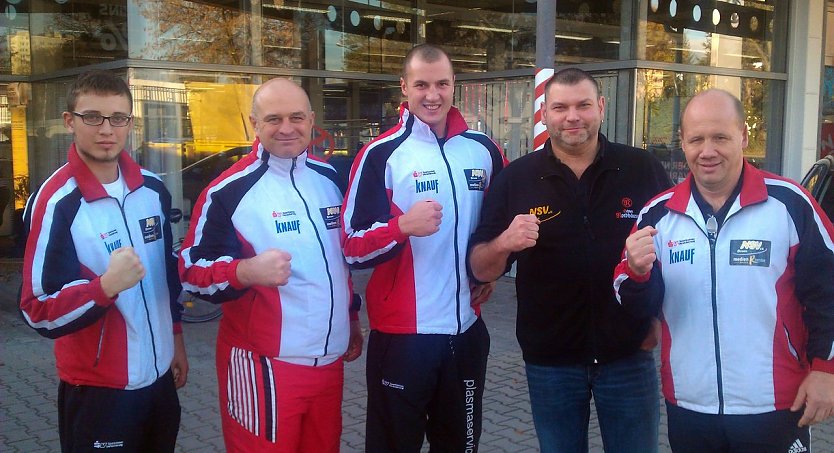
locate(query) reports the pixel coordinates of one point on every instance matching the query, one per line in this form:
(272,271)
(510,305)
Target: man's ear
(403,86)
(68,121)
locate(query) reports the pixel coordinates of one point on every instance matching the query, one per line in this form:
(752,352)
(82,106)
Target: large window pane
(501,109)
(484,36)
(15,55)
(721,33)
(662,94)
(77,33)
(587,31)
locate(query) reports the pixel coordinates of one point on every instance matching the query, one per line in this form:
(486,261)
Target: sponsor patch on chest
(679,252)
(331,216)
(750,252)
(111,240)
(151,229)
(425,181)
(475,178)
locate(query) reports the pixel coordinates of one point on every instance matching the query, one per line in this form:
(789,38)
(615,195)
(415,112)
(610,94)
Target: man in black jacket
(563,213)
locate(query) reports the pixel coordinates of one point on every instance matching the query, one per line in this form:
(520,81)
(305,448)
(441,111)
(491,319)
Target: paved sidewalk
(28,386)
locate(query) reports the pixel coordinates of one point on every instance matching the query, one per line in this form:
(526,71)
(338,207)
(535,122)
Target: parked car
(818,181)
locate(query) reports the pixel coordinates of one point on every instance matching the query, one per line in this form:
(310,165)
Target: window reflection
(719,33)
(587,31)
(495,36)
(501,109)
(77,33)
(662,94)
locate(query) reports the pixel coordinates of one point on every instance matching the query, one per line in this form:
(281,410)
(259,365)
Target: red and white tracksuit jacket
(419,284)
(265,202)
(125,342)
(746,318)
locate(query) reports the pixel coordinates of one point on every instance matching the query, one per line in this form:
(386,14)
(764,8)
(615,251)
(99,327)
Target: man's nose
(572,114)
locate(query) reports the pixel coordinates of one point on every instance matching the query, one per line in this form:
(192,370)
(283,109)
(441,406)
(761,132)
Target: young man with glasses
(99,277)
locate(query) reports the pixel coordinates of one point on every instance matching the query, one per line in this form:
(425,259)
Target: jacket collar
(455,124)
(281,165)
(753,190)
(91,188)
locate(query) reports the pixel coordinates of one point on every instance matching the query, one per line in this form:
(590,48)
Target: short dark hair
(428,53)
(570,77)
(98,82)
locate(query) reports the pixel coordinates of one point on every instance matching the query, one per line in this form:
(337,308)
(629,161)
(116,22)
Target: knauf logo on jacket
(111,242)
(425,185)
(677,255)
(284,222)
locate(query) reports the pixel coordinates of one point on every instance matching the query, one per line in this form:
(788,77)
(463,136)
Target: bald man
(739,261)
(265,242)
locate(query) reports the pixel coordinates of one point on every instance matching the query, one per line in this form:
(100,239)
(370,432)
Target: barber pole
(539,131)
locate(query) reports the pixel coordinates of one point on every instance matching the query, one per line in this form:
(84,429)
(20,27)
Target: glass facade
(193,66)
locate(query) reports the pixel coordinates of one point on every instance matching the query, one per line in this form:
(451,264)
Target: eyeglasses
(97,119)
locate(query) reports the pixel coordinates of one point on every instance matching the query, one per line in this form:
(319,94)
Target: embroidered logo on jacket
(544,213)
(475,178)
(151,228)
(331,216)
(283,224)
(110,241)
(425,185)
(626,212)
(750,253)
(681,256)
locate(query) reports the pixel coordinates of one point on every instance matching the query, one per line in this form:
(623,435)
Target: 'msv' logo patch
(151,229)
(331,215)
(475,178)
(750,253)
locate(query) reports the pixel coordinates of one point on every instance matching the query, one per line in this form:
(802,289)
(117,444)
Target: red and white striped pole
(539,131)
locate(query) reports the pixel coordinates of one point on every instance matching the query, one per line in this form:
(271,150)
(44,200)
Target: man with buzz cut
(100,278)
(414,198)
(265,241)
(563,213)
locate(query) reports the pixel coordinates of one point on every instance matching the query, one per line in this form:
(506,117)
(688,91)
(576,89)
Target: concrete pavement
(28,387)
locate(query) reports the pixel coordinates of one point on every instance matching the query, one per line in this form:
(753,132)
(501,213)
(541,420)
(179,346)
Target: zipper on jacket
(712,234)
(323,256)
(141,288)
(100,342)
(455,233)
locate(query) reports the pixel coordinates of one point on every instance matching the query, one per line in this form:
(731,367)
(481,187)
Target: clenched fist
(522,233)
(124,271)
(268,268)
(640,250)
(422,219)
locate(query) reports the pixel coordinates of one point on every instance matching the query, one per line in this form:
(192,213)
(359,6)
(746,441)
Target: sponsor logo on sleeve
(331,217)
(750,252)
(151,229)
(475,178)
